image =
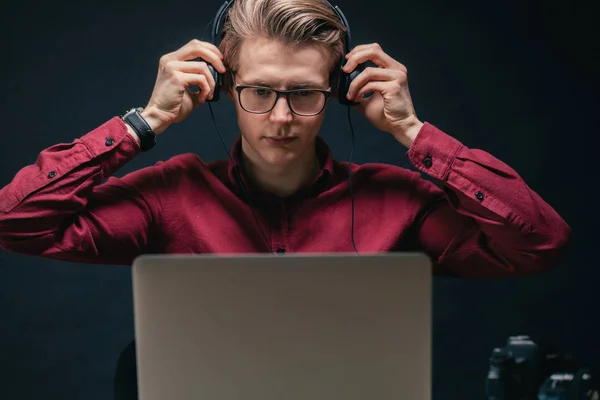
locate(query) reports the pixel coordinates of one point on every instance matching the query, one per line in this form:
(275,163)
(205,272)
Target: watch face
(128,112)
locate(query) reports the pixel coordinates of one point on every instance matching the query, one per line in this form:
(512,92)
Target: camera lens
(500,357)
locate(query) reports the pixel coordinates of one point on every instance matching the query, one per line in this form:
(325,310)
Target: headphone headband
(219,20)
(342,18)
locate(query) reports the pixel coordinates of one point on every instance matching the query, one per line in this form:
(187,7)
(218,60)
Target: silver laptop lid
(298,327)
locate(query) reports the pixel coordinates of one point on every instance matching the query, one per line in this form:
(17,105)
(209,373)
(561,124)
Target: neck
(282,181)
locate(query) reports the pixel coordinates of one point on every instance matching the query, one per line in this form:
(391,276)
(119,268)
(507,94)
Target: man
(290,195)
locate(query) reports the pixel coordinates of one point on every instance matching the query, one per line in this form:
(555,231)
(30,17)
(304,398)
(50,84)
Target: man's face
(269,63)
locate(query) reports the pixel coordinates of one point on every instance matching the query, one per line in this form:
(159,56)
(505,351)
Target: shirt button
(51,174)
(479,196)
(427,161)
(281,251)
(109,142)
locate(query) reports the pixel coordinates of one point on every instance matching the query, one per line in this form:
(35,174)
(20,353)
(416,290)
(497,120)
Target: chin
(278,157)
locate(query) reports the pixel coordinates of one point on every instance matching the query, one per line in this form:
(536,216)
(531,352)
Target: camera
(528,370)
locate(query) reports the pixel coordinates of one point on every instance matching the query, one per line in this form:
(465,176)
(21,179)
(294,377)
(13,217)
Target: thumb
(360,107)
(363,102)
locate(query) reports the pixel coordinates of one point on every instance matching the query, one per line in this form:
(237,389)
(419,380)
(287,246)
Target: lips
(280,141)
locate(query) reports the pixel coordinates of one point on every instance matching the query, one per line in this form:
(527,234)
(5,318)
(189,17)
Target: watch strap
(140,127)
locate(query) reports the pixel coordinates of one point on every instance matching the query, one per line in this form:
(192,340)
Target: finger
(198,80)
(199,43)
(381,87)
(374,74)
(378,57)
(211,47)
(360,47)
(374,54)
(195,67)
(196,49)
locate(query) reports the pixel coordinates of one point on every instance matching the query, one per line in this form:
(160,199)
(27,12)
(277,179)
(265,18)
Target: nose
(281,112)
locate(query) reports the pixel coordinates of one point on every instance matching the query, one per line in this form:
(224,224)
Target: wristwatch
(139,125)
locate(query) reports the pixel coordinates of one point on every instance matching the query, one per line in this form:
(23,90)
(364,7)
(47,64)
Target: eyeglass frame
(278,93)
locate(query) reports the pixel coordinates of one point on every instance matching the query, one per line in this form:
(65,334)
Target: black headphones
(343,79)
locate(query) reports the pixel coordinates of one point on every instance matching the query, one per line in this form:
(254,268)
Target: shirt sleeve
(67,206)
(485,222)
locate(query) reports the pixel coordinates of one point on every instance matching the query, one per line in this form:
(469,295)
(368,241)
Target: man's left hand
(390,108)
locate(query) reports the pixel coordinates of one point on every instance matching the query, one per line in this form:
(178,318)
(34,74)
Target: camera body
(526,370)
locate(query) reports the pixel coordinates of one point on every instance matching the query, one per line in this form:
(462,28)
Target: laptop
(294,327)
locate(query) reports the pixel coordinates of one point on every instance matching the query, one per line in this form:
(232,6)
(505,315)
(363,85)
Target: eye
(262,92)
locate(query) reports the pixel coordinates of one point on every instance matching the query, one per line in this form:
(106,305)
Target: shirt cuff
(434,151)
(113,133)
(112,136)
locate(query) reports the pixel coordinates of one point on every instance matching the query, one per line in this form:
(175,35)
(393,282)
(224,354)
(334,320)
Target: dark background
(515,78)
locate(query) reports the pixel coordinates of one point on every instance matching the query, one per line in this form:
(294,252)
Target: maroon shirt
(485,222)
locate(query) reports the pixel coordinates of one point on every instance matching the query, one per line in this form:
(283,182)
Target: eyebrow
(290,85)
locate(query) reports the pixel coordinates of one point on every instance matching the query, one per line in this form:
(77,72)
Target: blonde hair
(293,22)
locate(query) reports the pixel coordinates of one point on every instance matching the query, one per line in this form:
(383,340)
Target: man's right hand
(172,100)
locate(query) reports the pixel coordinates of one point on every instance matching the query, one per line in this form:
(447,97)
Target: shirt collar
(321,182)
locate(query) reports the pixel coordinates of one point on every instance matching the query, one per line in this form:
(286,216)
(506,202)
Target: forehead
(270,62)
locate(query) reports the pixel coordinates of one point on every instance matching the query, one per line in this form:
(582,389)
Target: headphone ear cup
(344,84)
(218,82)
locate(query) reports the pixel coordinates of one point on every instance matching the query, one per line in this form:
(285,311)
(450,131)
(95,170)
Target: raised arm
(60,207)
(487,222)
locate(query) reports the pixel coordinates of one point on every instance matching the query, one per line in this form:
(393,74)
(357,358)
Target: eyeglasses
(261,100)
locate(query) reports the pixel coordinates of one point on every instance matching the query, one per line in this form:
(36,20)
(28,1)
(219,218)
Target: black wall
(515,78)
